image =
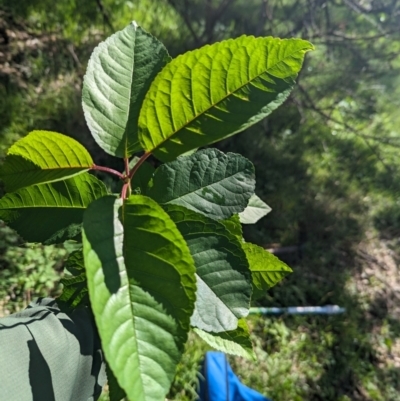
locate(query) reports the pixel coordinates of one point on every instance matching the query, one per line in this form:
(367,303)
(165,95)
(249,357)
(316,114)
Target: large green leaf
(223,277)
(74,282)
(210,182)
(41,157)
(234,342)
(255,210)
(142,286)
(51,213)
(266,269)
(211,93)
(118,76)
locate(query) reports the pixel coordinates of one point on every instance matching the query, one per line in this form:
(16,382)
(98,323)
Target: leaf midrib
(209,185)
(221,100)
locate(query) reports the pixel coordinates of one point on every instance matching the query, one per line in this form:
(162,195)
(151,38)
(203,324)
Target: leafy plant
(166,254)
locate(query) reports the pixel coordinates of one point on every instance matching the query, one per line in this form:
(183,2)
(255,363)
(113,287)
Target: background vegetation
(325,161)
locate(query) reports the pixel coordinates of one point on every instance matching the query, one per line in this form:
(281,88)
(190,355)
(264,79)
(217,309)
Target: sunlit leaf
(255,210)
(42,157)
(51,213)
(141,280)
(213,92)
(266,269)
(118,76)
(234,342)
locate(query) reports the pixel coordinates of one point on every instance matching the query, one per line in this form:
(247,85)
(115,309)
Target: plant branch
(105,15)
(108,170)
(138,164)
(312,106)
(125,190)
(184,15)
(126,162)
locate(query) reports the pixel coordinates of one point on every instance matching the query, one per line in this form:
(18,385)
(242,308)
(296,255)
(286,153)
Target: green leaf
(211,93)
(51,213)
(233,226)
(118,76)
(142,287)
(266,269)
(223,277)
(255,210)
(74,282)
(210,182)
(41,157)
(142,176)
(234,342)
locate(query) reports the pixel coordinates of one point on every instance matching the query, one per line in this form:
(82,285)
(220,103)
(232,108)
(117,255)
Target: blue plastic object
(221,384)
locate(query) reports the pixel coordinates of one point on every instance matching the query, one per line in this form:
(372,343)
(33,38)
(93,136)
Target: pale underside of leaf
(216,91)
(234,342)
(143,326)
(223,278)
(209,182)
(60,204)
(118,76)
(42,157)
(255,210)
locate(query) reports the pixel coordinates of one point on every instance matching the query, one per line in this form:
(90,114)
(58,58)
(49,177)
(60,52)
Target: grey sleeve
(48,355)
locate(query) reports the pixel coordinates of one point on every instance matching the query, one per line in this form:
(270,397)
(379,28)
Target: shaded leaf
(118,75)
(210,182)
(223,277)
(255,210)
(115,392)
(74,282)
(141,280)
(234,342)
(60,205)
(142,176)
(213,92)
(42,157)
(266,269)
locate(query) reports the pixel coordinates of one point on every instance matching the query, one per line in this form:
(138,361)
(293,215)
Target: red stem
(107,170)
(126,161)
(138,164)
(124,190)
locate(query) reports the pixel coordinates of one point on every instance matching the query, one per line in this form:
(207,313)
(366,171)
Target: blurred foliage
(326,162)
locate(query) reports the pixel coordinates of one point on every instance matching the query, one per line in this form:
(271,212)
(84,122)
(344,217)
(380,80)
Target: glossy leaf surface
(255,210)
(141,280)
(266,269)
(216,91)
(42,157)
(118,76)
(234,342)
(51,213)
(210,182)
(223,278)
